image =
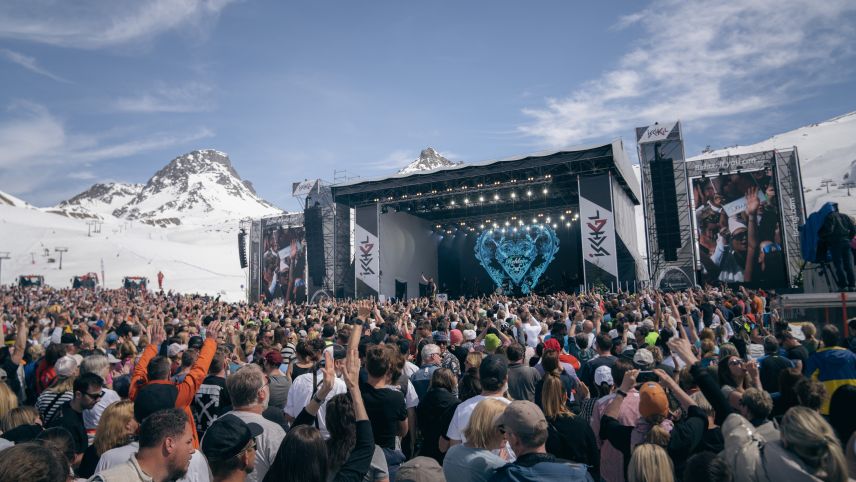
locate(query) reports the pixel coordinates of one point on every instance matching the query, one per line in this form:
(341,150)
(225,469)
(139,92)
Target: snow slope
(10,200)
(99,201)
(827,150)
(193,259)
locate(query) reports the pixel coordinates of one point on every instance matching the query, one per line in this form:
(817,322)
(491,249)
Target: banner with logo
(367,252)
(597,229)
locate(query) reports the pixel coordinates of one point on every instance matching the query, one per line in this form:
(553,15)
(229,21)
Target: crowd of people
(701,385)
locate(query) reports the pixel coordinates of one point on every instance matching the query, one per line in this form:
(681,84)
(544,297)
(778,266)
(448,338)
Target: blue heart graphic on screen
(515,260)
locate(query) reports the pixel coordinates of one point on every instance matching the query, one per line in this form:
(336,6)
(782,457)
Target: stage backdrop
(283,260)
(461,272)
(408,249)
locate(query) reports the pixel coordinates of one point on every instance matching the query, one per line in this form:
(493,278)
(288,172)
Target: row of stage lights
(466,201)
(478,187)
(513,224)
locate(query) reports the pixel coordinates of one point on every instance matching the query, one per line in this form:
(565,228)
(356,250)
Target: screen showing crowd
(284,263)
(738,229)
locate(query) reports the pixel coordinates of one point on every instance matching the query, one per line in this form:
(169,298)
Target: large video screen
(283,262)
(738,229)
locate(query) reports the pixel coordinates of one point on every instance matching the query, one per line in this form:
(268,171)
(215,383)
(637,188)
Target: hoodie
(834,367)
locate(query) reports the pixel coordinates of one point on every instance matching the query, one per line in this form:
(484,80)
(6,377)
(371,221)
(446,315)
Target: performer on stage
(432,286)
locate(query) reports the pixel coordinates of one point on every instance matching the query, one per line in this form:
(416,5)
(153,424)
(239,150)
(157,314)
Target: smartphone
(647,376)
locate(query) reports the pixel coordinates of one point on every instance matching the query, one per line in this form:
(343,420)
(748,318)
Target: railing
(820,309)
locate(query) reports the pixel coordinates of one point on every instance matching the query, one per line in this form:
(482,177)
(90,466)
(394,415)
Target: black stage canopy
(525,186)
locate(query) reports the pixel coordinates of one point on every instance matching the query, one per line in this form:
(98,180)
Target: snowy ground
(193,259)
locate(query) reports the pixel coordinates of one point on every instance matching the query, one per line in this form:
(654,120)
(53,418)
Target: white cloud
(39,150)
(700,60)
(190,97)
(93,24)
(30,64)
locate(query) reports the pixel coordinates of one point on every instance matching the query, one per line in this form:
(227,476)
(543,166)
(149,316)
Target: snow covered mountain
(10,200)
(827,150)
(198,188)
(99,201)
(429,159)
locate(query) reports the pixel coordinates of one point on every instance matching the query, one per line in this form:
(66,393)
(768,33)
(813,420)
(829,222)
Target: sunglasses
(736,363)
(741,236)
(94,396)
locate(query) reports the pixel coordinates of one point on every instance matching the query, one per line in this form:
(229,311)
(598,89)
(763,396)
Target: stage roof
(555,169)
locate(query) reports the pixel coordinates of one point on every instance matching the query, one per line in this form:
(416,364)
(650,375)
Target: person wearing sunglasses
(230,447)
(88,390)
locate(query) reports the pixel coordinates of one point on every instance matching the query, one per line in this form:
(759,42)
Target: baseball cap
(65,366)
(175,348)
(420,469)
(469,335)
(440,337)
(643,358)
(112,338)
(522,417)
(227,437)
(602,375)
(652,400)
(493,369)
(68,339)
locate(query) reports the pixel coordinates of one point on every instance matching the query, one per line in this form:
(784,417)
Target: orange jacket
(187,388)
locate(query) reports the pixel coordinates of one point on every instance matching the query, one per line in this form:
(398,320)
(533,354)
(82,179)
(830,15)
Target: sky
(112,90)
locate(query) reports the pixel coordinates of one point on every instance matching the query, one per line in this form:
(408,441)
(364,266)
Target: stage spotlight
(534,220)
(514,195)
(495,226)
(466,200)
(548,219)
(529,193)
(507,223)
(562,217)
(555,226)
(437,226)
(481,226)
(545,190)
(568,225)
(515,230)
(496,197)
(502,230)
(452,202)
(576,216)
(481,199)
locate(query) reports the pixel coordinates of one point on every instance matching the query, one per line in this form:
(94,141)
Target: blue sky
(112,90)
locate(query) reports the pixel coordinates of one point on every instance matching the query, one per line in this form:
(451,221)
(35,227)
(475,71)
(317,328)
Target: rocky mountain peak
(429,159)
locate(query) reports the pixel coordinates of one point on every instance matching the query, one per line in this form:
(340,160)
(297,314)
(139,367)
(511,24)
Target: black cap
(227,437)
(68,339)
(195,342)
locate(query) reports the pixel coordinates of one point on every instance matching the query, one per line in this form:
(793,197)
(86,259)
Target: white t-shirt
(301,392)
(93,415)
(462,416)
(533,331)
(410,369)
(197,472)
(267,443)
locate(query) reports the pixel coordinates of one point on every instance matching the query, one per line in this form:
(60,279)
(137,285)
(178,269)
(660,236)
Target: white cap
(602,375)
(469,335)
(175,348)
(66,366)
(734,224)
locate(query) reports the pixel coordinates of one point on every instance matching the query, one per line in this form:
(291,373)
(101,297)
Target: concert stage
(559,220)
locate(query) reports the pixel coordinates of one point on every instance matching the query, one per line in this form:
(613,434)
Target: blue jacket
(541,468)
(809,238)
(421,379)
(834,367)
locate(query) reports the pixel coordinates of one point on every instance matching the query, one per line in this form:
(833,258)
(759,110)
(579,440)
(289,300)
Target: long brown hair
(553,396)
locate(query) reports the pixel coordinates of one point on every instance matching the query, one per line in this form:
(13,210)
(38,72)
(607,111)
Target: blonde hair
(62,385)
(553,397)
(474,359)
(481,431)
(650,463)
(8,399)
(112,431)
(16,417)
(806,434)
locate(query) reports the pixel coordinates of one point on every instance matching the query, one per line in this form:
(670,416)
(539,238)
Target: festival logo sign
(598,231)
(367,263)
(516,259)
